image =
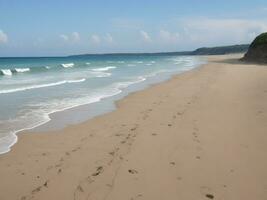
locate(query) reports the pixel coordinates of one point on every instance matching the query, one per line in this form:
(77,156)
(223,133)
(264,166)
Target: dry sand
(201,135)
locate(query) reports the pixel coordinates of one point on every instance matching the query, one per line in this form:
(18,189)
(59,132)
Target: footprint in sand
(207,191)
(210,196)
(38,189)
(133,129)
(79,187)
(133,171)
(99,170)
(46,184)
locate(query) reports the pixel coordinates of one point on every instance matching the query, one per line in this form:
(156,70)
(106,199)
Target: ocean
(31,89)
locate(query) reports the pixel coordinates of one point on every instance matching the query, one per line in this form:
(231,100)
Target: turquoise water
(33,88)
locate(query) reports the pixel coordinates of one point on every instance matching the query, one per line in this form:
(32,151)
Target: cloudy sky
(64,27)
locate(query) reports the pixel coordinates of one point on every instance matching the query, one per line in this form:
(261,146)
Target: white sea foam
(149,64)
(67,65)
(126,84)
(7,142)
(6,72)
(100,74)
(40,86)
(139,62)
(76,81)
(88,63)
(104,68)
(47,67)
(121,62)
(21,70)
(131,65)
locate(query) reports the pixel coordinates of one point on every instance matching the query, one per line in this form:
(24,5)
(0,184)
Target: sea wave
(40,86)
(21,70)
(104,68)
(9,72)
(67,65)
(6,72)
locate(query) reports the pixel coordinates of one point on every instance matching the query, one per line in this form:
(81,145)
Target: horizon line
(120,53)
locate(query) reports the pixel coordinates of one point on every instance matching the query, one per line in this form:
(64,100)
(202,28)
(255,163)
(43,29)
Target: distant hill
(257,51)
(221,50)
(201,51)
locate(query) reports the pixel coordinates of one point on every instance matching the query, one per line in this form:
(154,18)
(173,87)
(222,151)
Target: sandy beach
(200,135)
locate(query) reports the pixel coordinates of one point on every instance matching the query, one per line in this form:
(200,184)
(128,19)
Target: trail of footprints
(81,191)
(84,188)
(58,169)
(196,139)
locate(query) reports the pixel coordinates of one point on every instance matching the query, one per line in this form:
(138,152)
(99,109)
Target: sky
(67,27)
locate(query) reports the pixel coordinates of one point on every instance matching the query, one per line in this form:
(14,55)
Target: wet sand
(200,135)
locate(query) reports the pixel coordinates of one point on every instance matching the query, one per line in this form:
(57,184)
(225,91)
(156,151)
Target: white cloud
(108,38)
(95,39)
(73,37)
(145,36)
(64,37)
(168,37)
(3,37)
(218,31)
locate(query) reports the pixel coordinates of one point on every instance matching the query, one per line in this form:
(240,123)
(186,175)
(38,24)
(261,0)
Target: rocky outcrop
(257,51)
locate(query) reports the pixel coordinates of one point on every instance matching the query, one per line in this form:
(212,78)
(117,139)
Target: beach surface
(200,135)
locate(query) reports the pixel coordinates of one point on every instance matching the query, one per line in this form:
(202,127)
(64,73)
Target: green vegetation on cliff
(260,40)
(257,51)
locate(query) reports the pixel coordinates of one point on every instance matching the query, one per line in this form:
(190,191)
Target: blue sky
(57,27)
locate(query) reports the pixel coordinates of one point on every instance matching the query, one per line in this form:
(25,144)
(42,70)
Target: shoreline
(112,100)
(54,122)
(200,134)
